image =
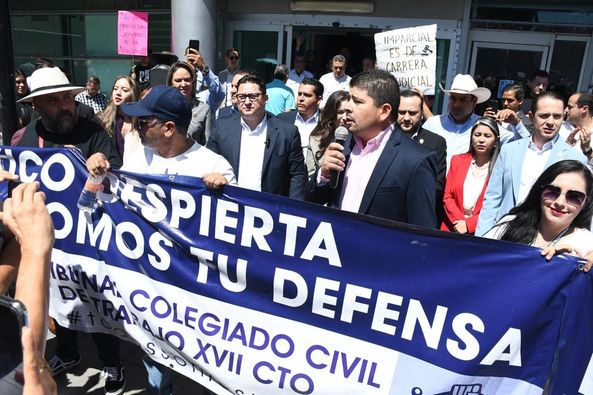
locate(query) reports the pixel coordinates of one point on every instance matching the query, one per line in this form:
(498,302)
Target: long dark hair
(190,69)
(523,228)
(493,126)
(328,120)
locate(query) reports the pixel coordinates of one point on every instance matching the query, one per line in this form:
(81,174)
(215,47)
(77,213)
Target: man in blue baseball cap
(163,118)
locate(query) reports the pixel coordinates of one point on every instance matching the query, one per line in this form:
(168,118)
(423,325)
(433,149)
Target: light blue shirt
(280,97)
(214,95)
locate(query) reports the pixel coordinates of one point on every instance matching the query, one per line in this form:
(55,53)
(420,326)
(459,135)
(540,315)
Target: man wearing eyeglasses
(163,118)
(521,162)
(264,151)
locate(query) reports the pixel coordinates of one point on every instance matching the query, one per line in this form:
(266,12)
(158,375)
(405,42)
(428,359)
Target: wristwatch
(588,152)
(206,70)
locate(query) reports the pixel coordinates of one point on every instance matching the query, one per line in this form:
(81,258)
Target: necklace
(557,238)
(479,171)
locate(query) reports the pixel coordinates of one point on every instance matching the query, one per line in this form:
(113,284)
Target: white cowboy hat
(49,80)
(464,84)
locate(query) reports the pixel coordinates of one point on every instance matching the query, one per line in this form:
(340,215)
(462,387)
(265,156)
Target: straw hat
(464,84)
(49,80)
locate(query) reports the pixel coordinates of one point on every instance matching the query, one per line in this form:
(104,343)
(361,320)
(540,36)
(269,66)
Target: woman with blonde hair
(120,127)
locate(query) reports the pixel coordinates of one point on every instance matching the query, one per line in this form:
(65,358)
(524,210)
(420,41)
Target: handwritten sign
(132,33)
(409,54)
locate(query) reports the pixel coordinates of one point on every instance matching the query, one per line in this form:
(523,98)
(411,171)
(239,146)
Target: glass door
(568,63)
(261,47)
(499,58)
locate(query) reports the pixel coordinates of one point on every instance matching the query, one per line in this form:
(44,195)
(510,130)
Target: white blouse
(472,187)
(580,240)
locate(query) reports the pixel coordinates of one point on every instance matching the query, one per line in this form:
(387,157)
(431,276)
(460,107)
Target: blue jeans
(160,378)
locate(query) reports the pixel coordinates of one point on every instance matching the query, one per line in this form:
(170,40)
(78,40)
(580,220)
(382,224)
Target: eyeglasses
(144,123)
(233,57)
(574,198)
(252,96)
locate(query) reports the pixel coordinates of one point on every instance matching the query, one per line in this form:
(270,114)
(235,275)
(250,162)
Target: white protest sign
(409,54)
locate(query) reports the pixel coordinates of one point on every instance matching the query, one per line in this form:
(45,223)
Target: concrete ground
(86,378)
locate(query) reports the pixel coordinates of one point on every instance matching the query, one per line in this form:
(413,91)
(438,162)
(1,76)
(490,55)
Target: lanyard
(557,238)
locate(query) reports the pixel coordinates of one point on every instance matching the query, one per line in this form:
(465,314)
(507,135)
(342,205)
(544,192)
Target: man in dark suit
(383,172)
(306,115)
(264,151)
(409,119)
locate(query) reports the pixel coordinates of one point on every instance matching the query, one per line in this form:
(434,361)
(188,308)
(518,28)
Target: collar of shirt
(451,121)
(259,129)
(374,143)
(343,78)
(293,71)
(313,119)
(547,146)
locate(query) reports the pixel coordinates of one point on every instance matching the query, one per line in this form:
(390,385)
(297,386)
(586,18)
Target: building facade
(494,40)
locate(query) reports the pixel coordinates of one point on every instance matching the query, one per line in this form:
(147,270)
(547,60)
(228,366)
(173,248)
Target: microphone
(340,136)
(267,143)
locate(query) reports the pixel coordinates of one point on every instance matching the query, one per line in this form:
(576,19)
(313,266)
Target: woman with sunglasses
(182,76)
(468,177)
(556,214)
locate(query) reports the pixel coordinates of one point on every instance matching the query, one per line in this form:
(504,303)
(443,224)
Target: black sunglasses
(553,192)
(143,123)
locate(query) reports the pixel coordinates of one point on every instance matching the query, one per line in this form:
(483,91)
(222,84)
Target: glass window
(573,12)
(258,51)
(443,48)
(565,68)
(82,45)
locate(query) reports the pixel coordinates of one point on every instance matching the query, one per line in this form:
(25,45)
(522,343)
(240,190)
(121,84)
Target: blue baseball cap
(163,102)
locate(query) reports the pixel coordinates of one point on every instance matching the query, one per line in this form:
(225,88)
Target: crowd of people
(520,173)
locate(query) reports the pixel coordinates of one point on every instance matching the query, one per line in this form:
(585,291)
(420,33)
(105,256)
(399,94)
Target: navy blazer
(401,187)
(283,169)
(289,116)
(438,144)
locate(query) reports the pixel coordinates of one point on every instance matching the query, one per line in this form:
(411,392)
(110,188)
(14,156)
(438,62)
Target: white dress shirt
(295,79)
(332,84)
(534,164)
(251,155)
(305,128)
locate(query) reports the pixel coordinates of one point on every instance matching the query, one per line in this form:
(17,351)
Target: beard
(63,123)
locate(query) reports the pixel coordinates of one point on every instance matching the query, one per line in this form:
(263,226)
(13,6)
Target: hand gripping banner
(251,293)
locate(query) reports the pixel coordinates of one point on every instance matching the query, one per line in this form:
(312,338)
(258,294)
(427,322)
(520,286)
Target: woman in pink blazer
(468,177)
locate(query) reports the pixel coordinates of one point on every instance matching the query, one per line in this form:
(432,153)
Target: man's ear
(386,111)
(170,125)
(530,115)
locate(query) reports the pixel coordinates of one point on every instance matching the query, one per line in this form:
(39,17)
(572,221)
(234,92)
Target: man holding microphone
(383,172)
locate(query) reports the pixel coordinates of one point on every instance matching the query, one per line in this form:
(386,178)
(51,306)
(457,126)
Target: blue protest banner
(247,292)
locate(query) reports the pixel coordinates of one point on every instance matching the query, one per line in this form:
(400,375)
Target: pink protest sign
(132,33)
